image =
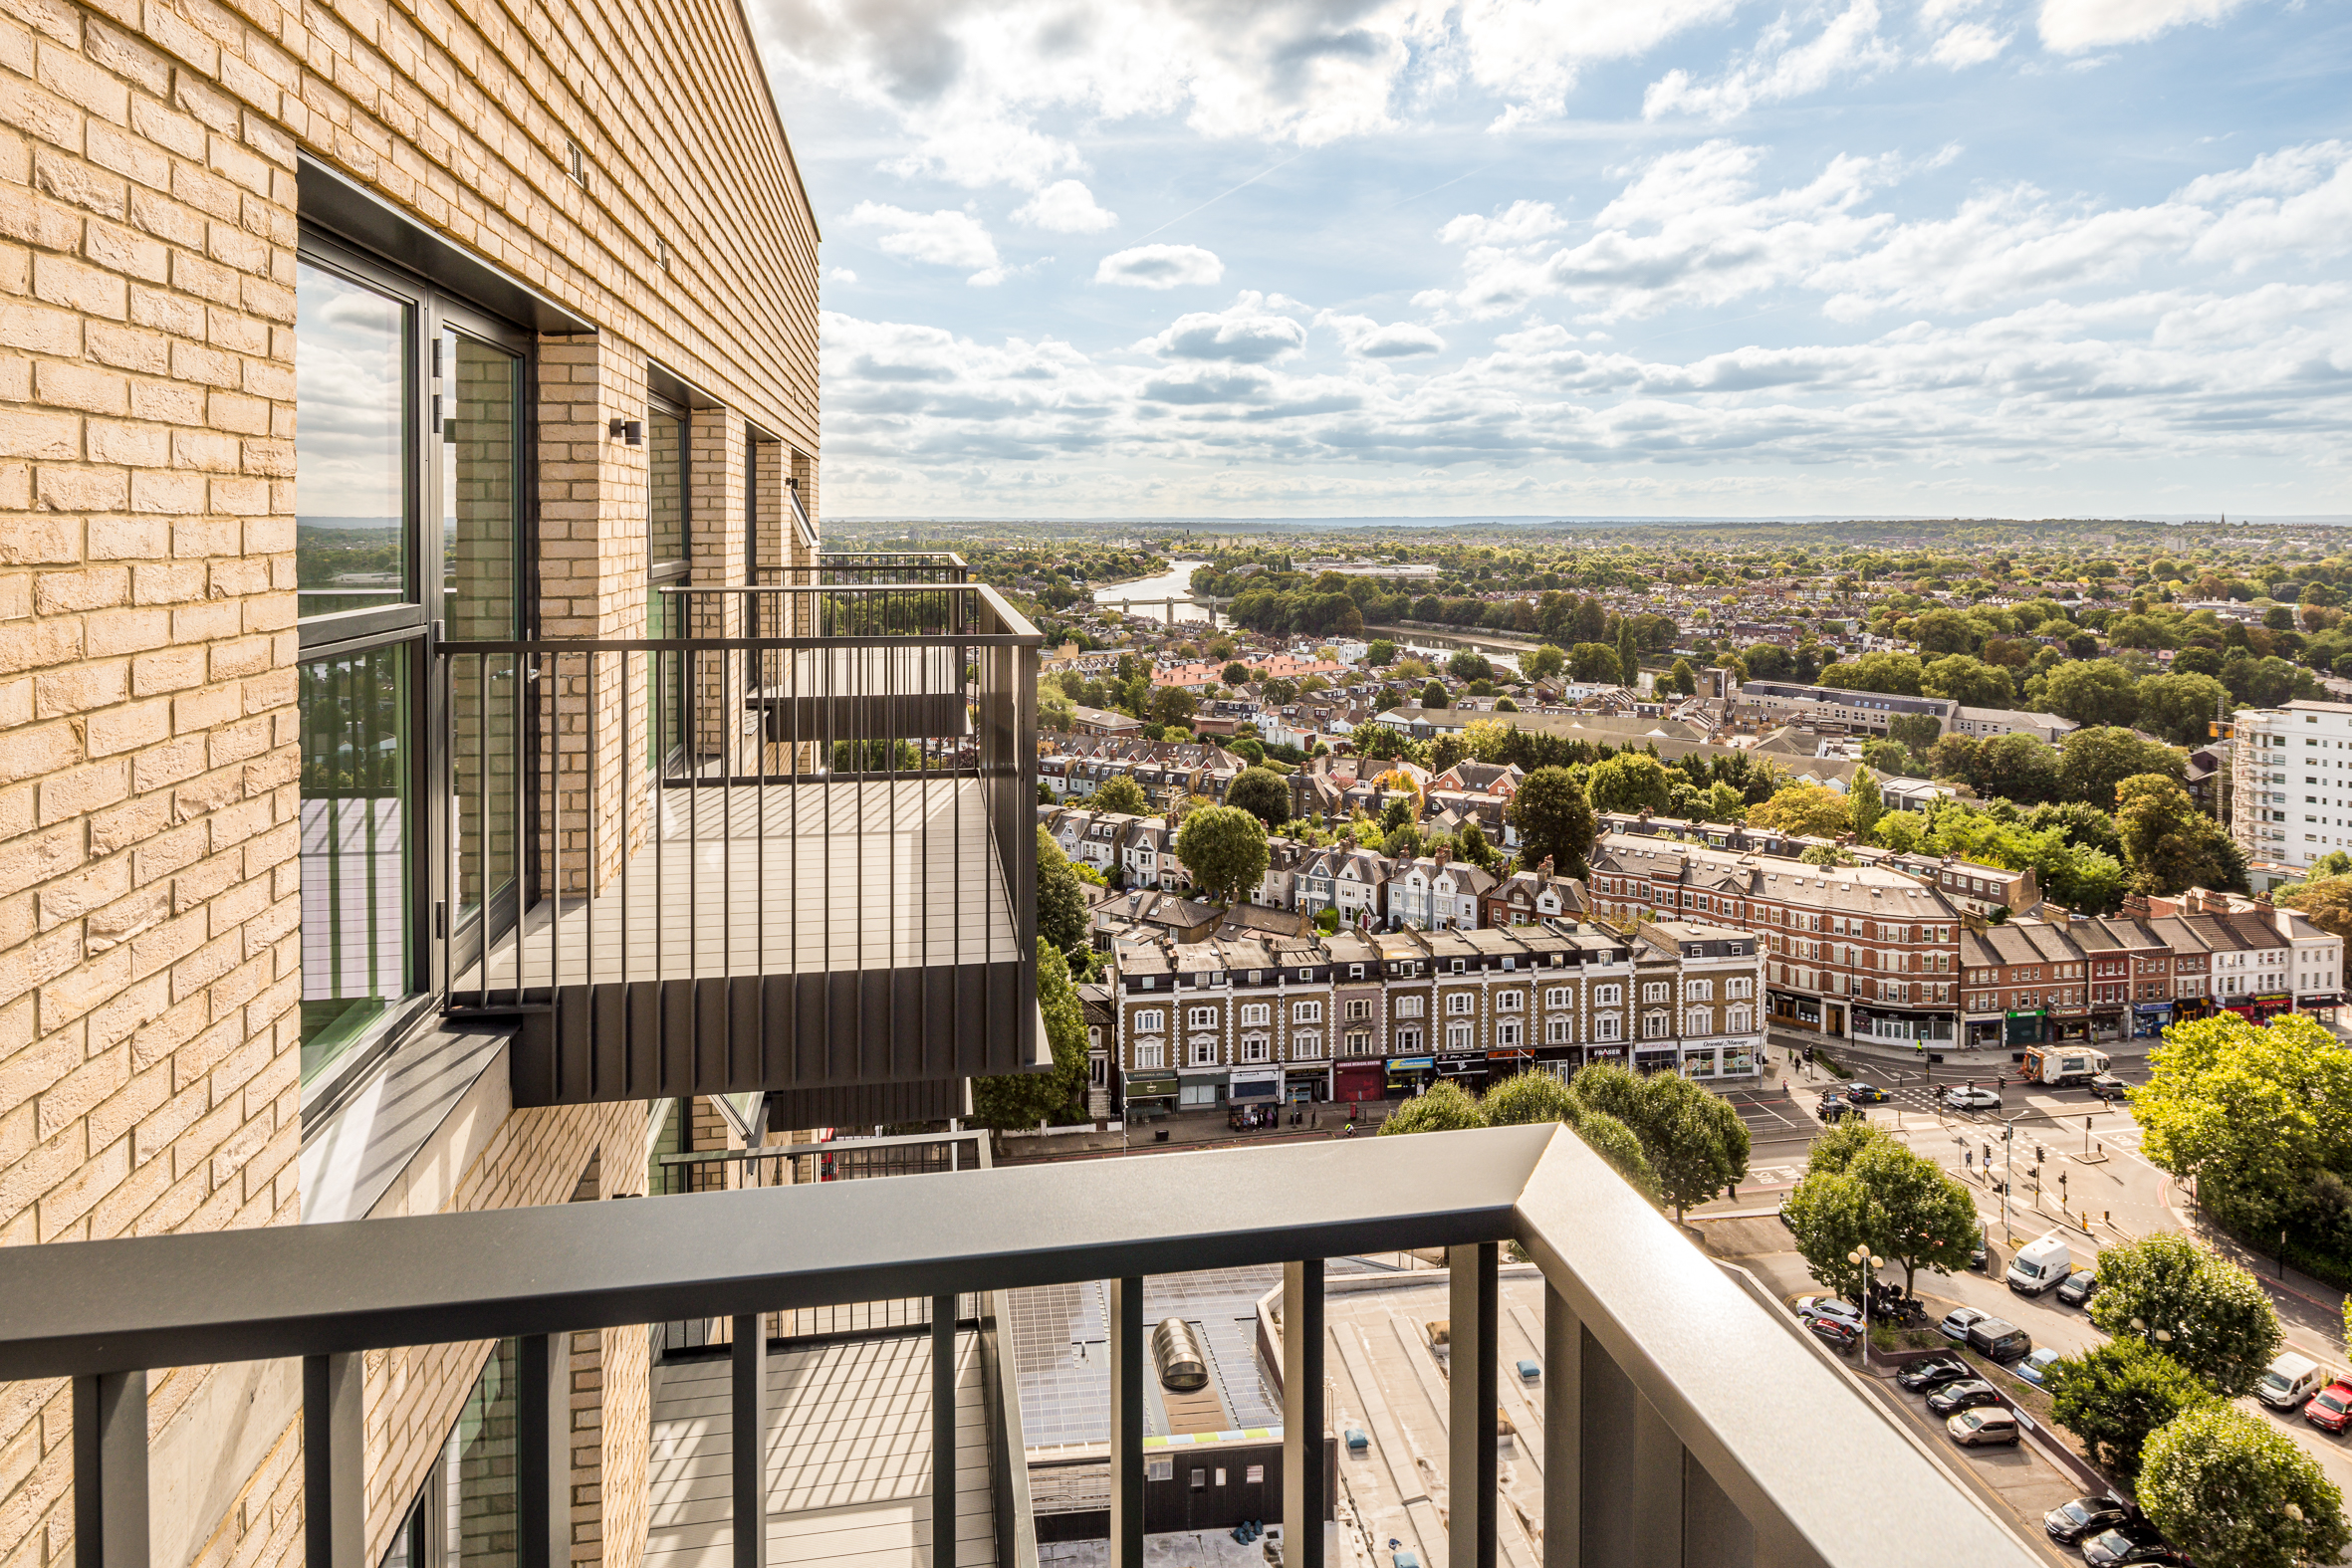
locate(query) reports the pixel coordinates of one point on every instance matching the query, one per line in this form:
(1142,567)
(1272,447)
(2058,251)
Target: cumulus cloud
(1968,44)
(1159,267)
(1778,68)
(1533,51)
(1065,207)
(2297,200)
(1371,340)
(841,275)
(2071,26)
(1244,332)
(946,238)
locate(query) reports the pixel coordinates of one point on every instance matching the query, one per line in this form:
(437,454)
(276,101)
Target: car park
(1982,1427)
(2072,1522)
(1925,1377)
(1835,1332)
(2131,1542)
(2079,1287)
(2330,1407)
(1971,1098)
(2035,1368)
(1867,1094)
(1956,1323)
(1964,1395)
(1999,1340)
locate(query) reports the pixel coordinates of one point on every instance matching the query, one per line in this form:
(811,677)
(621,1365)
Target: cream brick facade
(152,178)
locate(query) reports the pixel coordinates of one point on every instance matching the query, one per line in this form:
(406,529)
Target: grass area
(1890,1336)
(1836,1069)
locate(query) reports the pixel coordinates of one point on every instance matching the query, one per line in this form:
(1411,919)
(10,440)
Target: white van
(2292,1380)
(2041,1264)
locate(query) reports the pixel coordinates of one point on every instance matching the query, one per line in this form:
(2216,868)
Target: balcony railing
(1685,1420)
(789,850)
(844,567)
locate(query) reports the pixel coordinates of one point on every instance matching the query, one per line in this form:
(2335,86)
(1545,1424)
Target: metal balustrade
(1684,1420)
(790,850)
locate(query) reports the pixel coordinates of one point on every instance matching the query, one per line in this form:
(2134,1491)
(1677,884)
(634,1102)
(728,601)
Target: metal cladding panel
(867,1104)
(601,1044)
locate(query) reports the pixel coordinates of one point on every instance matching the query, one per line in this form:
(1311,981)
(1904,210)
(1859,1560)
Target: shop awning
(1151,1086)
(1411,1063)
(1256,1089)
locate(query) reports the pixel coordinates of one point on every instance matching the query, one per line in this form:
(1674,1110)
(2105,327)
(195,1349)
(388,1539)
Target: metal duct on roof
(1179,1357)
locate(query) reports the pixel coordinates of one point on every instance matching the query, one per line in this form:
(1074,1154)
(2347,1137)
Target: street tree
(1013,1100)
(2226,1487)
(1530,1098)
(1621,1151)
(1919,1217)
(2192,1304)
(1554,820)
(1696,1142)
(2113,1396)
(1442,1107)
(2167,843)
(1631,782)
(1806,811)
(2249,1112)
(1843,1144)
(1264,795)
(1119,793)
(1224,849)
(1828,1215)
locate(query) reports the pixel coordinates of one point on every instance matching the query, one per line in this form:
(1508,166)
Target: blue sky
(1256,258)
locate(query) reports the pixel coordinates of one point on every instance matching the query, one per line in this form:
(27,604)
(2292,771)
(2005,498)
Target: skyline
(2077,257)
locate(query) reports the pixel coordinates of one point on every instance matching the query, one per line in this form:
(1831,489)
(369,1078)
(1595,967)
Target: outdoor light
(630,430)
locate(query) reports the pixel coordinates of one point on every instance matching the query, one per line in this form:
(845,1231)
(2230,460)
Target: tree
(1804,811)
(1172,705)
(1968,681)
(1119,793)
(1016,1100)
(1224,849)
(1528,1098)
(1442,1107)
(1630,782)
(2112,1397)
(1696,1142)
(1865,801)
(1544,663)
(1917,730)
(1628,654)
(1380,653)
(2094,690)
(1685,679)
(2182,705)
(1919,1217)
(1828,1214)
(1554,820)
(1897,674)
(2247,1112)
(1236,674)
(2167,843)
(1946,631)
(1616,1143)
(2327,901)
(2092,761)
(2214,1317)
(2226,1487)
(1470,845)
(1061,899)
(1467,666)
(1264,795)
(1056,710)
(1596,663)
(1844,1142)
(1434,695)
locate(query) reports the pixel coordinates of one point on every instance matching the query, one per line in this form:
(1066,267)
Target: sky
(1300,257)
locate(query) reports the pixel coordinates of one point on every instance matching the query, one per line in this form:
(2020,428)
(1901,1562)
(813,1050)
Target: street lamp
(1862,1258)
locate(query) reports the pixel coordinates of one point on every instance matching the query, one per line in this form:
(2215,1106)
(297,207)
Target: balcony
(1683,1418)
(786,850)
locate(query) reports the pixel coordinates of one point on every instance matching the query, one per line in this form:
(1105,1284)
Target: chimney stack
(1545,870)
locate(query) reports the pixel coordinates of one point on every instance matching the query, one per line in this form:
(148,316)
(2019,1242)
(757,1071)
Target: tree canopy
(1804,810)
(2113,1396)
(1264,795)
(1013,1100)
(2190,1302)
(2226,1487)
(1224,849)
(1553,819)
(1120,793)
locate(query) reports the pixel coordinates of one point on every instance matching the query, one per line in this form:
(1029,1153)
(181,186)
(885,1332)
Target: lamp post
(1862,1258)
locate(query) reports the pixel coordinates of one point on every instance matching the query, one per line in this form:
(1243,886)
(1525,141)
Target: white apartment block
(2290,784)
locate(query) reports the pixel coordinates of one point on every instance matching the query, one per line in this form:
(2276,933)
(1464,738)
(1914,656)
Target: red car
(2330,1407)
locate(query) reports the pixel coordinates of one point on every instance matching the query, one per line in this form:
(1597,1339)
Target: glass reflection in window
(358,836)
(350,463)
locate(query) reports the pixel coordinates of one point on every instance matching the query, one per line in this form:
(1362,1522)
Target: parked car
(2071,1522)
(1867,1094)
(2133,1541)
(1925,1377)
(1999,1340)
(1830,1306)
(1964,1395)
(2079,1286)
(1976,1255)
(2290,1380)
(1972,1099)
(1956,1323)
(1984,1427)
(2040,1266)
(1835,1332)
(2330,1407)
(2035,1368)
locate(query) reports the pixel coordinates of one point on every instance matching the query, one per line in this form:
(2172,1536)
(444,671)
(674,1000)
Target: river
(1147,592)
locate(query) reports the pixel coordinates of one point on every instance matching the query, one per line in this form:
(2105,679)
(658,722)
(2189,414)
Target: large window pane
(359,835)
(665,480)
(351,364)
(480,528)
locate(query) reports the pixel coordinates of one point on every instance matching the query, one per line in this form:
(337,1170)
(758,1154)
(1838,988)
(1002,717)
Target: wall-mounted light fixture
(630,430)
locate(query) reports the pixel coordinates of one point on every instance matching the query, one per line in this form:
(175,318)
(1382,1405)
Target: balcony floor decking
(849,1471)
(781,878)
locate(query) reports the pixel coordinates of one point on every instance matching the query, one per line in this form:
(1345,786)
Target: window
(1696,1021)
(1355,972)
(1653,1025)
(1201,1017)
(1507,1034)
(1411,1007)
(1459,1002)
(1654,992)
(1151,1054)
(1608,996)
(1739,989)
(1255,1049)
(1408,1040)
(1606,1027)
(1459,1036)
(1254,1475)
(1511,1001)
(1458,966)
(1559,997)
(1304,1047)
(1559,1031)
(1204,1053)
(1307,1013)
(1699,991)
(1150,1021)
(1359,1043)
(1736,1020)
(1257,1012)
(1359,1008)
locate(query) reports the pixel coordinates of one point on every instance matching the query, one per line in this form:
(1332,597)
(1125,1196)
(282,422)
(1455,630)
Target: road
(2093,1167)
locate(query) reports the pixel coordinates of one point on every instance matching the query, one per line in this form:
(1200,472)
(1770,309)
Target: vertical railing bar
(1126,1423)
(1563,1431)
(1472,1322)
(748,1418)
(111,1469)
(943,1431)
(334,1439)
(654,834)
(588,1055)
(1305,1499)
(543,1459)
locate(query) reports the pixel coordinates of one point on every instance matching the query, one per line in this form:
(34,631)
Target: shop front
(1793,1010)
(2149,1019)
(2243,1006)
(2071,1029)
(1195,1090)
(1905,1026)
(1254,1085)
(1614,1055)
(1150,1092)
(1649,1060)
(2268,1008)
(1409,1075)
(2109,1024)
(1984,1033)
(1467,1071)
(1356,1080)
(1731,1057)
(2330,1000)
(1304,1085)
(1504,1064)
(2028,1028)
